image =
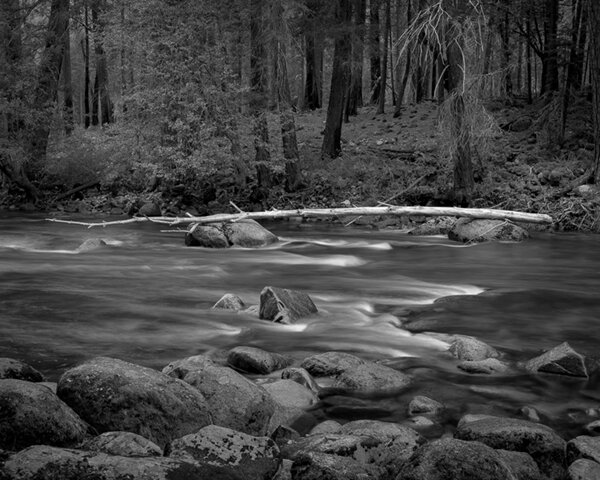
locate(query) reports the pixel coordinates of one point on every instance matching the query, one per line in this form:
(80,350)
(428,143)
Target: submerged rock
(487,366)
(424,405)
(467,230)
(539,441)
(457,460)
(281,305)
(31,414)
(562,360)
(90,245)
(471,349)
(245,456)
(256,360)
(124,444)
(113,395)
(11,368)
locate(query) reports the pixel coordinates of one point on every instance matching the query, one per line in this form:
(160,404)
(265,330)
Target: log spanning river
(146,298)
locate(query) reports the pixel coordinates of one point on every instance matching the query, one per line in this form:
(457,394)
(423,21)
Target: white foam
(294,259)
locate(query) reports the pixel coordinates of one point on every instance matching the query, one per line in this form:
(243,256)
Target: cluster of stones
(468,230)
(238,416)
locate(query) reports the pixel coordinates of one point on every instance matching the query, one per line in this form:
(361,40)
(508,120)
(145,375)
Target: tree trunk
(355,98)
(506,50)
(339,81)
(48,77)
(594,25)
(313,91)
(67,82)
(102,109)
(550,54)
(86,69)
(407,67)
(384,57)
(374,50)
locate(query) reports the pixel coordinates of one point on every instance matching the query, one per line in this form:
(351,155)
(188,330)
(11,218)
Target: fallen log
(332,212)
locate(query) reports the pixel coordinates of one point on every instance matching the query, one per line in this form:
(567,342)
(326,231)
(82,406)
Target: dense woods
(196,103)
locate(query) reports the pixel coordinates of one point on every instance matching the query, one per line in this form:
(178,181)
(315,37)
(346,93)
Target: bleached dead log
(487,213)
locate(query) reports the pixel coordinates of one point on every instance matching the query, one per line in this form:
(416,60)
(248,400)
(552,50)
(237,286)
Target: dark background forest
(106,105)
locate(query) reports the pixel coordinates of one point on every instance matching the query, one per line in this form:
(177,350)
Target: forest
(191,105)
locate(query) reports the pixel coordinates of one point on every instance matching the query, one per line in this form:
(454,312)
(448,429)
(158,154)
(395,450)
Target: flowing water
(146,298)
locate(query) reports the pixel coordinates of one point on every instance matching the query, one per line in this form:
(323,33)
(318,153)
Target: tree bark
(102,108)
(67,82)
(339,81)
(48,77)
(355,98)
(86,69)
(374,50)
(384,56)
(313,91)
(407,67)
(593,10)
(550,81)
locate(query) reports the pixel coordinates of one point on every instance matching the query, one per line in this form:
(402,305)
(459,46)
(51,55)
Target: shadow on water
(147,298)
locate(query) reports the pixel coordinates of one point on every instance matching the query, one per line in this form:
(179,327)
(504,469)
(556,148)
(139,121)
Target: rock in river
(255,360)
(562,360)
(243,233)
(31,414)
(281,305)
(113,395)
(330,363)
(469,230)
(471,349)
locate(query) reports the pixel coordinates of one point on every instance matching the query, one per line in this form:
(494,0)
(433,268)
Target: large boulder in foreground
(113,395)
(467,230)
(562,360)
(31,414)
(583,469)
(457,460)
(11,368)
(252,458)
(281,305)
(233,400)
(42,462)
(242,233)
(539,441)
(583,447)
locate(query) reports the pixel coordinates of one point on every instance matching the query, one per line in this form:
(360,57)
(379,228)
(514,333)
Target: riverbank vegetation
(106,105)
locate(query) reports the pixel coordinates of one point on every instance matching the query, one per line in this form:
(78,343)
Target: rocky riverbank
(250,414)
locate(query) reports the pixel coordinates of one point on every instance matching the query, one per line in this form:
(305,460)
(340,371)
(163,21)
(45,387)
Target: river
(146,298)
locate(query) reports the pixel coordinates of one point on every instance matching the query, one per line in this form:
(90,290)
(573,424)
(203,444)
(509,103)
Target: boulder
(11,368)
(539,441)
(233,400)
(252,458)
(487,366)
(243,233)
(31,414)
(301,376)
(124,444)
(471,349)
(281,305)
(113,395)
(372,378)
(42,462)
(467,230)
(91,244)
(180,368)
(330,363)
(150,209)
(521,465)
(249,234)
(424,405)
(256,360)
(328,426)
(209,236)
(229,301)
(583,469)
(454,459)
(323,466)
(562,360)
(434,226)
(583,447)
(291,401)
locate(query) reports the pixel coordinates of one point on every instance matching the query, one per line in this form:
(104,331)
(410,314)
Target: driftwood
(332,212)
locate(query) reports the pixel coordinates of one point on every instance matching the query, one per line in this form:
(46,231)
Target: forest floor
(401,161)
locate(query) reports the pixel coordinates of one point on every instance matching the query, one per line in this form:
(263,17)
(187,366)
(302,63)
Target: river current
(147,298)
